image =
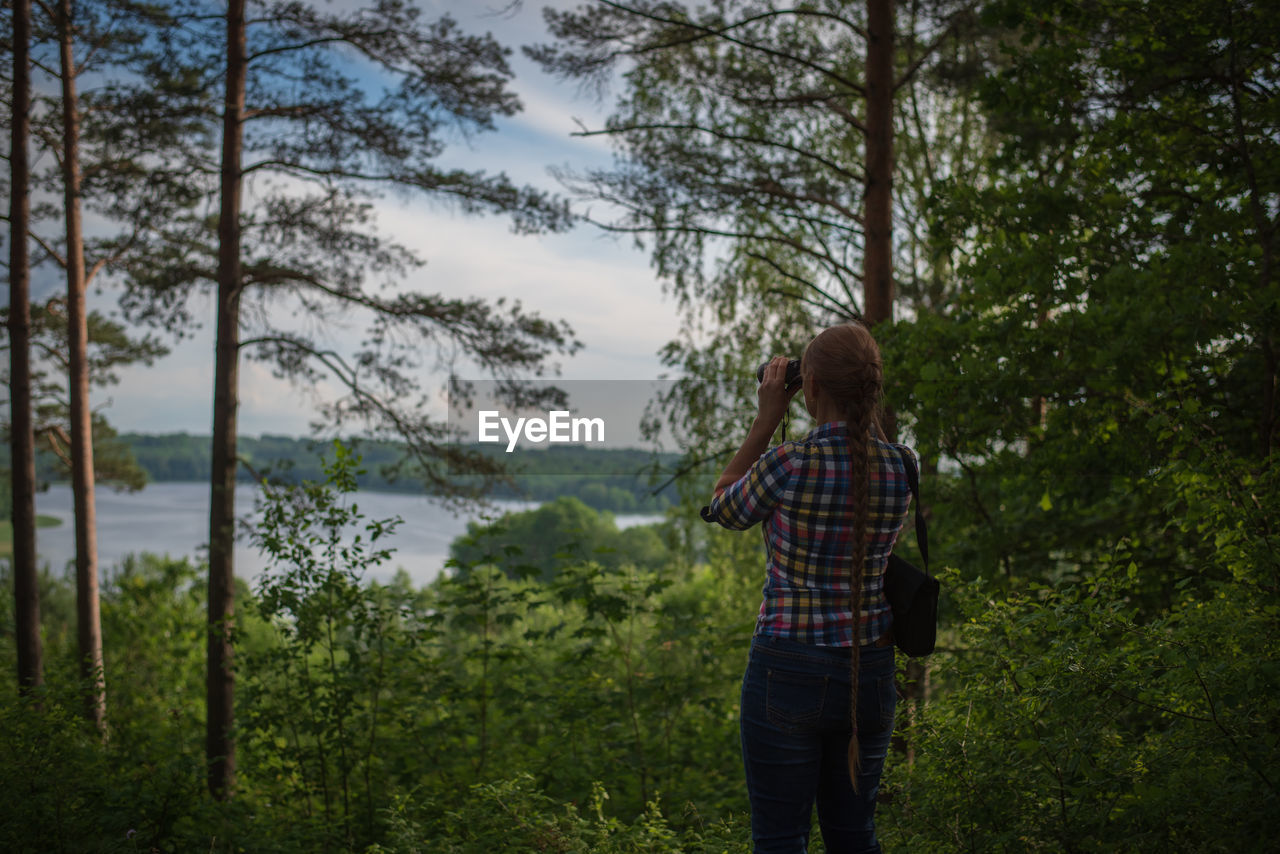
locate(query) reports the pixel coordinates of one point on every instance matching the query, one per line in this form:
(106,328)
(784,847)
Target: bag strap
(913,481)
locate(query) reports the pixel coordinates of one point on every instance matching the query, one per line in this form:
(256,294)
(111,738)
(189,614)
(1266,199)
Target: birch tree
(757,159)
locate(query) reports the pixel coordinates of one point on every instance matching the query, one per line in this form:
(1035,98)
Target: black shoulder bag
(912,594)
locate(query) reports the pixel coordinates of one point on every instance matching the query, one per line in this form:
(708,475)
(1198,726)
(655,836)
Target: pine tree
(21,437)
(288,97)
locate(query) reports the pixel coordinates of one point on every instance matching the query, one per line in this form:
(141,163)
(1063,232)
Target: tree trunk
(877,203)
(1268,396)
(220,688)
(88,622)
(26,591)
(877,258)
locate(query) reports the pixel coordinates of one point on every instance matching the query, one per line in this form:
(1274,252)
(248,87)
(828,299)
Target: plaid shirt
(800,490)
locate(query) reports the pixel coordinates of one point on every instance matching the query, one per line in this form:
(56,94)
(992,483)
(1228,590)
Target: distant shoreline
(173,518)
(616,480)
(6,531)
(46,521)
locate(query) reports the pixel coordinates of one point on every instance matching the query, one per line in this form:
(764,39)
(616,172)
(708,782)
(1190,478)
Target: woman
(832,505)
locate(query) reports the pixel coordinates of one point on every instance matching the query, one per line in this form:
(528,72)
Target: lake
(173,519)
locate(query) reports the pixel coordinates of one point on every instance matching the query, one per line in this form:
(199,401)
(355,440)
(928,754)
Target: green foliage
(1097,404)
(375,717)
(1151,734)
(1113,645)
(56,783)
(313,698)
(514,816)
(741,134)
(534,542)
(493,713)
(1116,266)
(110,348)
(152,613)
(65,789)
(632,679)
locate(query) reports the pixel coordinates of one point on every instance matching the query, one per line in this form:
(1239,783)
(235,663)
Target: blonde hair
(845,361)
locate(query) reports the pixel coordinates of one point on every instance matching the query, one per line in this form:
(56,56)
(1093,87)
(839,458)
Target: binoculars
(793,373)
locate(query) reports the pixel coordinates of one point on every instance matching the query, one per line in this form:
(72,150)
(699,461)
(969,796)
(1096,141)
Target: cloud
(602,287)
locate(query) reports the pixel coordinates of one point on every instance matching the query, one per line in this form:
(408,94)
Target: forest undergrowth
(596,710)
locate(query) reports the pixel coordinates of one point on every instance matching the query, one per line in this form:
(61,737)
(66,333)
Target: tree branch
(338,368)
(778,191)
(291,47)
(713,232)
(49,250)
(1246,755)
(731,137)
(53,433)
(683,470)
(952,20)
(709,32)
(804,283)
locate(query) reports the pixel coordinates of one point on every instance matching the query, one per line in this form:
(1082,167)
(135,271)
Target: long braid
(845,362)
(859,436)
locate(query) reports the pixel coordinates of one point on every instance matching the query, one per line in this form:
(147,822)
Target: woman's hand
(773,401)
(773,394)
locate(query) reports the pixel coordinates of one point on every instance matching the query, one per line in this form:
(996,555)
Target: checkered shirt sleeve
(754,495)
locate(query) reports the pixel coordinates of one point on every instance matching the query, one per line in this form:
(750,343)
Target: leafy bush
(597,710)
(1082,718)
(557,533)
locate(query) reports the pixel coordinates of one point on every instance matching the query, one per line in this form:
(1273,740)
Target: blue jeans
(795,740)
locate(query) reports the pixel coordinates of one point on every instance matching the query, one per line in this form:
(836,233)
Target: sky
(599,283)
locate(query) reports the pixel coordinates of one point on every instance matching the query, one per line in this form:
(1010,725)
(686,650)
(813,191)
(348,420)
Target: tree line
(616,480)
